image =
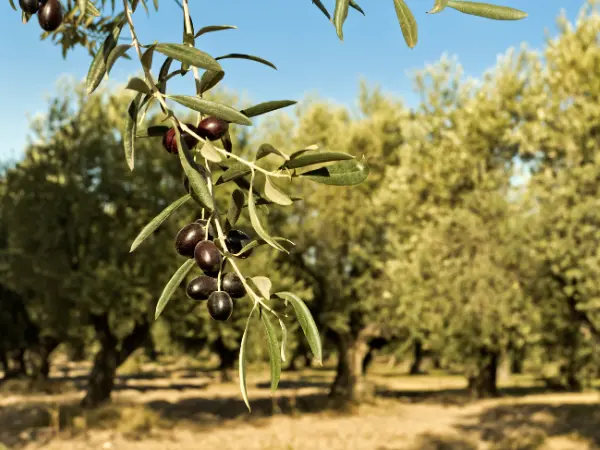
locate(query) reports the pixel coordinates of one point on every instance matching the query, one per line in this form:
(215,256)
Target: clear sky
(292,34)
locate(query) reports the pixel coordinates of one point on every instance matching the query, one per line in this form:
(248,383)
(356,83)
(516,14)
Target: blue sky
(294,35)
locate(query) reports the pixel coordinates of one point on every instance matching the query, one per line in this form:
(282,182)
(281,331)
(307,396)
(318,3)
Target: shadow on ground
(506,422)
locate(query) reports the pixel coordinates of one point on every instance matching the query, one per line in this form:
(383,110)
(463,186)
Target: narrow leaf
(274,353)
(238,198)
(157,221)
(235,171)
(407,21)
(92,10)
(254,220)
(249,58)
(345,173)
(309,327)
(211,28)
(274,194)
(340,14)
(196,177)
(355,5)
(130,130)
(209,108)
(162,76)
(258,242)
(139,85)
(242,361)
(486,10)
(189,55)
(25,17)
(208,151)
(209,79)
(12,5)
(438,6)
(264,285)
(148,56)
(116,53)
(173,285)
(267,149)
(321,6)
(98,66)
(310,158)
(283,339)
(267,107)
(82,5)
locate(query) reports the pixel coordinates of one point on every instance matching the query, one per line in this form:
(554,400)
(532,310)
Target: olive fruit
(212,128)
(220,306)
(188,237)
(29,6)
(50,15)
(232,284)
(211,230)
(170,140)
(201,287)
(236,240)
(208,257)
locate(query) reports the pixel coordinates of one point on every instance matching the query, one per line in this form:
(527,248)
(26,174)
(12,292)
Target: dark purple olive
(208,257)
(211,229)
(220,306)
(29,6)
(170,142)
(232,284)
(50,16)
(212,128)
(188,237)
(236,240)
(201,287)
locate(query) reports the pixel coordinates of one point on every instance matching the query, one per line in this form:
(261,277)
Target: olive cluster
(195,240)
(50,12)
(210,128)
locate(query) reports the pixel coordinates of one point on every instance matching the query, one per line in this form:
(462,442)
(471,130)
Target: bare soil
(180,408)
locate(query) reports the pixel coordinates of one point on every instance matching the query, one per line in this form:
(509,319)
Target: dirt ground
(185,409)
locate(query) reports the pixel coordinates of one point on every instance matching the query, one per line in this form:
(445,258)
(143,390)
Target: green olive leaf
(130,130)
(138,85)
(264,286)
(238,198)
(209,79)
(321,7)
(98,66)
(267,107)
(344,173)
(157,221)
(82,5)
(208,151)
(355,5)
(249,58)
(267,149)
(242,361)
(196,177)
(25,17)
(438,6)
(116,53)
(486,10)
(211,28)
(207,107)
(254,220)
(92,10)
(189,55)
(309,158)
(407,21)
(259,242)
(274,194)
(283,339)
(148,56)
(274,352)
(12,5)
(234,171)
(307,323)
(172,285)
(340,14)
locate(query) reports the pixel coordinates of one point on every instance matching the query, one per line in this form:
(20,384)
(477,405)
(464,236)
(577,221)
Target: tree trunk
(101,380)
(415,367)
(76,351)
(349,385)
(517,358)
(227,358)
(301,353)
(47,346)
(483,383)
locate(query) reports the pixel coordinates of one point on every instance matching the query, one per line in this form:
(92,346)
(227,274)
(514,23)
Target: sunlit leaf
(309,158)
(309,327)
(242,361)
(98,66)
(486,10)
(138,85)
(254,220)
(248,57)
(157,221)
(438,6)
(274,194)
(209,108)
(116,53)
(130,130)
(340,14)
(267,149)
(153,131)
(211,28)
(258,242)
(209,79)
(267,107)
(407,21)
(173,285)
(189,55)
(274,352)
(195,175)
(208,151)
(264,285)
(345,173)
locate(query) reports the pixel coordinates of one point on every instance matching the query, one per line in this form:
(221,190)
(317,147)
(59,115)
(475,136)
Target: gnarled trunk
(415,367)
(374,344)
(483,380)
(101,380)
(227,359)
